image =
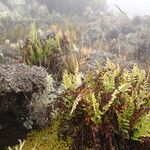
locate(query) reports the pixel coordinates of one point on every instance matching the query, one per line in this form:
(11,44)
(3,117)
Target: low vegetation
(89,101)
(45,139)
(108,108)
(105,109)
(47,51)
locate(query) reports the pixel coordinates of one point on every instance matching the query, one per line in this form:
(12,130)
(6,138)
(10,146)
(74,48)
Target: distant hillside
(73,6)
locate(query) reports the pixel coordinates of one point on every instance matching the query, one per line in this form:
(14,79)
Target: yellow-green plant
(71,81)
(112,100)
(142,127)
(37,52)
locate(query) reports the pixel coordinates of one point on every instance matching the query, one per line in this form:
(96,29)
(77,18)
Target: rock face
(23,94)
(18,85)
(128,39)
(23,8)
(10,55)
(22,78)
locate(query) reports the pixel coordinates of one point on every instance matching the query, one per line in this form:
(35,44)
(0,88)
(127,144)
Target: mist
(75,74)
(132,7)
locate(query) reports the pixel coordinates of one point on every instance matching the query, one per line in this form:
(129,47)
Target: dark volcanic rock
(22,89)
(18,86)
(10,55)
(21,78)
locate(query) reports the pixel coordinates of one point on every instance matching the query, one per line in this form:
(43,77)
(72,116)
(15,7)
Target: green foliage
(111,95)
(38,53)
(97,114)
(49,50)
(142,127)
(45,139)
(125,116)
(71,62)
(71,81)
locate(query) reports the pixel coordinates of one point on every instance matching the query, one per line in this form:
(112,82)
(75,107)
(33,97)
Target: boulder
(19,85)
(22,78)
(91,36)
(11,55)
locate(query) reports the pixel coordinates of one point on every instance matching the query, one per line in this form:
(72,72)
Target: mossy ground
(46,139)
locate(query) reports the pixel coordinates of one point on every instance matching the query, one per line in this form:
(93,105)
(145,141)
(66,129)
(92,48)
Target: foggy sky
(133,7)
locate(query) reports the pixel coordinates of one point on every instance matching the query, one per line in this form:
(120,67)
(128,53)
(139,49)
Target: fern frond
(96,107)
(67,80)
(77,100)
(71,81)
(142,128)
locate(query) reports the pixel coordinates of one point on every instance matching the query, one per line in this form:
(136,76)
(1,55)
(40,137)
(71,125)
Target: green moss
(46,139)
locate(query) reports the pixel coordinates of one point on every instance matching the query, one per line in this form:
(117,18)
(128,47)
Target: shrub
(108,108)
(35,51)
(46,51)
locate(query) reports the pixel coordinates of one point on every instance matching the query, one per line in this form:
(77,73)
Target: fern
(142,128)
(111,96)
(71,62)
(97,118)
(33,34)
(125,116)
(108,81)
(39,51)
(122,88)
(109,77)
(67,80)
(77,100)
(71,81)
